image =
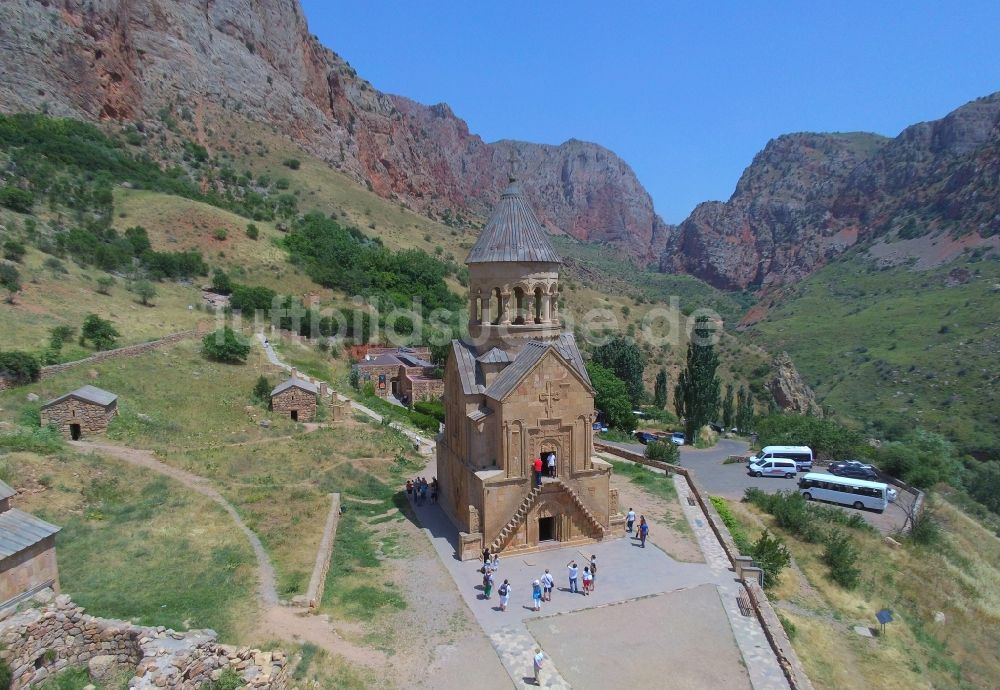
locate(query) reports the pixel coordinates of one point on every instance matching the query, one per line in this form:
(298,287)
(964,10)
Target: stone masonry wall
(128,351)
(31,568)
(38,642)
(295,399)
(91,417)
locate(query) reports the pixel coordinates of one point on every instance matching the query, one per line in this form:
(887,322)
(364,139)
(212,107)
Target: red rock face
(807,198)
(125,59)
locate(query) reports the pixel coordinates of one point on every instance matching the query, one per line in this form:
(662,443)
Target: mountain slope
(807,198)
(131,60)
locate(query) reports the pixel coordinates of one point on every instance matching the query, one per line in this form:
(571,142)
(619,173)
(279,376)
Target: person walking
(593,572)
(486,556)
(588,580)
(629,520)
(574,574)
(504,592)
(537,662)
(538,471)
(536,595)
(495,562)
(643,530)
(552,464)
(547,584)
(487,583)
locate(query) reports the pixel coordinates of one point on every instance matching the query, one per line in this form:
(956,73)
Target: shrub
(228,680)
(104,285)
(144,290)
(58,335)
(20,367)
(253,232)
(13,250)
(770,553)
(100,332)
(925,529)
(55,265)
(431,408)
(354,378)
(45,440)
(220,234)
(225,345)
(841,555)
(729,520)
(292,163)
(663,451)
(16,199)
(10,279)
(221,282)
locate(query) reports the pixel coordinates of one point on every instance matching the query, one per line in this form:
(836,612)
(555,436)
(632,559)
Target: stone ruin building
(87,410)
(298,399)
(405,373)
(516,388)
(27,552)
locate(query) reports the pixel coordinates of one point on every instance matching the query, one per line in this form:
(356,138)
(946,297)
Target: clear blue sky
(685,92)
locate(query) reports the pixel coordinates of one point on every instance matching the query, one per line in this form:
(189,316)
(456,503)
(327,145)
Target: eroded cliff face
(126,59)
(807,198)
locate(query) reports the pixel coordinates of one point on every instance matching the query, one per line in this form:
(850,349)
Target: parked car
(677,438)
(841,465)
(599,426)
(859,472)
(717,428)
(646,437)
(779,467)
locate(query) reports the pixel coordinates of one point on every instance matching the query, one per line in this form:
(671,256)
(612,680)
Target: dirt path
(276,620)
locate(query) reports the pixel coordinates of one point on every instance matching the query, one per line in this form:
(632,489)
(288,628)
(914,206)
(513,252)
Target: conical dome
(513,233)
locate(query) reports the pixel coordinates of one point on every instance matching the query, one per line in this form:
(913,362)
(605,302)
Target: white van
(801,455)
(776,467)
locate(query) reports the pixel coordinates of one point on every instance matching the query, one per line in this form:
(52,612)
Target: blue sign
(884,616)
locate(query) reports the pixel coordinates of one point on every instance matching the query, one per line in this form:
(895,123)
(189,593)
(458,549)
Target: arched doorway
(551,446)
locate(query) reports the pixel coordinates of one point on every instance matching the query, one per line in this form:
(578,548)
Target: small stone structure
(86,410)
(296,398)
(38,642)
(405,373)
(27,552)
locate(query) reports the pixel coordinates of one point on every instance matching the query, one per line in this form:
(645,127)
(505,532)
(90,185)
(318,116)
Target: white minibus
(846,491)
(802,455)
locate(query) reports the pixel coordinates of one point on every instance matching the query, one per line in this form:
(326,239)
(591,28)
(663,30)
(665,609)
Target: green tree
(100,332)
(221,282)
(104,284)
(611,397)
(698,385)
(728,410)
(145,291)
(59,335)
(771,554)
(16,199)
(744,410)
(19,367)
(660,389)
(253,232)
(225,345)
(10,280)
(625,360)
(13,250)
(261,391)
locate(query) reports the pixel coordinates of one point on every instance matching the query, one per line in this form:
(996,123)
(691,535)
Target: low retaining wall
(39,642)
(317,582)
(127,351)
(773,630)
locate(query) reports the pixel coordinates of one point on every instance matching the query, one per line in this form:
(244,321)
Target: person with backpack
(504,592)
(536,595)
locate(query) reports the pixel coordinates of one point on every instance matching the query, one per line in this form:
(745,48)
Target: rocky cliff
(806,198)
(127,59)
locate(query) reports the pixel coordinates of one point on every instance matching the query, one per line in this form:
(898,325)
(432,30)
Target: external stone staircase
(525,506)
(514,523)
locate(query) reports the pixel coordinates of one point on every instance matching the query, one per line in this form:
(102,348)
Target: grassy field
(959,578)
(898,348)
(64,296)
(132,543)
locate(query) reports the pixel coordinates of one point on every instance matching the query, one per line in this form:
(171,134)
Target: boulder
(32,397)
(102,668)
(789,390)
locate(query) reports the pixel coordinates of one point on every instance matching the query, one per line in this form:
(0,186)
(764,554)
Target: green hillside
(896,349)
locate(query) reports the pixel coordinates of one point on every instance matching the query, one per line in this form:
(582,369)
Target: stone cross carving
(549,397)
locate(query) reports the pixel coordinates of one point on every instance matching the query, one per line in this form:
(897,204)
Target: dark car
(841,466)
(646,437)
(859,471)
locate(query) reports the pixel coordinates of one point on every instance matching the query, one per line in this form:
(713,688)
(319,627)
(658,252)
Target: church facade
(516,389)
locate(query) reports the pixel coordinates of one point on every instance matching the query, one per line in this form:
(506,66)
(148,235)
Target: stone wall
(128,351)
(38,642)
(370,373)
(29,569)
(295,399)
(91,417)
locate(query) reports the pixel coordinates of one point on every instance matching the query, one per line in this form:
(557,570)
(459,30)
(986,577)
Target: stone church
(516,388)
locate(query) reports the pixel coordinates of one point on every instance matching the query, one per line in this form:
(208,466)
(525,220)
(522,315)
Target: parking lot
(730,481)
